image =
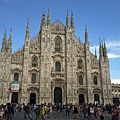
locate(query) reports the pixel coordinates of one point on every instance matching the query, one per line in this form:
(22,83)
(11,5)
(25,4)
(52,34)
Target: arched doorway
(116,100)
(57,95)
(14,98)
(81,98)
(32,98)
(96,98)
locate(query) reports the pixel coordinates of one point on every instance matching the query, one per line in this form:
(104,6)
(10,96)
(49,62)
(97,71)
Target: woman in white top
(92,112)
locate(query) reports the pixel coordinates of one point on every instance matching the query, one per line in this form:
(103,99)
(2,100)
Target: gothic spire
(43,18)
(86,34)
(67,20)
(105,49)
(4,43)
(27,36)
(72,20)
(95,53)
(10,42)
(28,29)
(100,49)
(48,18)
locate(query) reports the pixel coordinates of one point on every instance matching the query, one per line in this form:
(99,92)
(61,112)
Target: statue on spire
(48,18)
(10,42)
(4,42)
(86,34)
(95,53)
(67,20)
(72,20)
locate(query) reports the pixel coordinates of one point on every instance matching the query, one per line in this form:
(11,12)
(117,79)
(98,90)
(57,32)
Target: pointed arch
(80,79)
(16,77)
(95,80)
(80,64)
(33,78)
(57,66)
(58,44)
(34,61)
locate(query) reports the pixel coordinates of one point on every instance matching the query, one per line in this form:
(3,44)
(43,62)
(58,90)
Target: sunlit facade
(54,67)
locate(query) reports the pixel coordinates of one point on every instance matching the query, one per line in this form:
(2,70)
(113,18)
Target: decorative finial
(85,28)
(28,22)
(48,10)
(72,20)
(67,13)
(44,10)
(5,30)
(72,14)
(10,30)
(104,40)
(95,53)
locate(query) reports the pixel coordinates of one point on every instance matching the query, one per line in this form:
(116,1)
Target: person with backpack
(27,110)
(67,110)
(37,112)
(84,109)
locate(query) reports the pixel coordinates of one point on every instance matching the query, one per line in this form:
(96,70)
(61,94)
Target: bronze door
(58,95)
(81,98)
(32,98)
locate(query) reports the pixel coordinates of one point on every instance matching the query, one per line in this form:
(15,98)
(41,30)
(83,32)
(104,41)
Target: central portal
(32,98)
(81,98)
(58,95)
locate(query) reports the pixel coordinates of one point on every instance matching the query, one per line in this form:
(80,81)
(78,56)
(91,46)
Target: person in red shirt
(115,113)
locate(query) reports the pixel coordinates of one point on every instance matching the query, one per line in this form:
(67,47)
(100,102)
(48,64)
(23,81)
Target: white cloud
(6,0)
(115,81)
(112,55)
(113,49)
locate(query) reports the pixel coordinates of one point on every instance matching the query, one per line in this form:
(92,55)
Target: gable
(57,25)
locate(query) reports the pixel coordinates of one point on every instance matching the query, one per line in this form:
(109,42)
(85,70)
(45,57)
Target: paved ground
(56,116)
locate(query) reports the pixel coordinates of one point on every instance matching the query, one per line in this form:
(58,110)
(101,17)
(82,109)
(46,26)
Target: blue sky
(102,18)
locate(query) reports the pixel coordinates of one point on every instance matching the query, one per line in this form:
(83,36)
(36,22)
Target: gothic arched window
(57,66)
(95,80)
(80,64)
(34,61)
(80,79)
(33,79)
(16,77)
(57,45)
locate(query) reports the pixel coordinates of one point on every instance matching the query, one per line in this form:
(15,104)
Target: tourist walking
(67,110)
(76,116)
(115,113)
(37,112)
(27,111)
(42,112)
(98,112)
(84,109)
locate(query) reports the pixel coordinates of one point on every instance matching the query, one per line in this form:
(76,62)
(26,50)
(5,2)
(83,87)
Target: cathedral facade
(54,67)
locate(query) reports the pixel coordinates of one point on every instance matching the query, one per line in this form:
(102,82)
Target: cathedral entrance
(81,98)
(57,95)
(96,98)
(32,98)
(14,98)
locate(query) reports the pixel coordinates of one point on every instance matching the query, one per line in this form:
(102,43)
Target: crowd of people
(88,111)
